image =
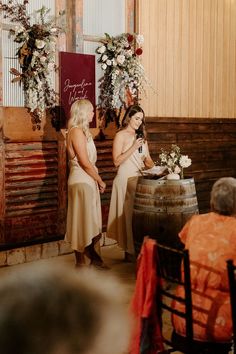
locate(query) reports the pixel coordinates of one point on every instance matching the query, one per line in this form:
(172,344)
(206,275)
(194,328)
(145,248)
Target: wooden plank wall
(107,170)
(189,55)
(210,143)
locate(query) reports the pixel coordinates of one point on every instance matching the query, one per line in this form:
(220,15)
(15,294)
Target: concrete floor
(112,255)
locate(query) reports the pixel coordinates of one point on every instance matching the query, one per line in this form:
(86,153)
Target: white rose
(39,43)
(177,169)
(129,53)
(109,62)
(120,59)
(101,49)
(43,59)
(104,66)
(19,29)
(185,161)
(140,39)
(114,62)
(53,30)
(163,157)
(50,66)
(104,57)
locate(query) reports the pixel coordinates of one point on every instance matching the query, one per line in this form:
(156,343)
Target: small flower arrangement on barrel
(174,161)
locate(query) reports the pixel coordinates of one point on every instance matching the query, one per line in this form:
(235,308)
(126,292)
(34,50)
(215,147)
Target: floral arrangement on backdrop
(174,160)
(36,55)
(124,77)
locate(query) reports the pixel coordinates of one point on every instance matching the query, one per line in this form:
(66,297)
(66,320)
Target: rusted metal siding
(31,181)
(35,191)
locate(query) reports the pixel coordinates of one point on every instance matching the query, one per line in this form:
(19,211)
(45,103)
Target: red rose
(130,38)
(139,51)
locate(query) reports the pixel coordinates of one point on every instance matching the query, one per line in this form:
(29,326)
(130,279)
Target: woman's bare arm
(79,144)
(118,156)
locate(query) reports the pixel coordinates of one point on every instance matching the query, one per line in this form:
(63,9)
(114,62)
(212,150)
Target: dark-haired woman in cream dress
(84,221)
(131,156)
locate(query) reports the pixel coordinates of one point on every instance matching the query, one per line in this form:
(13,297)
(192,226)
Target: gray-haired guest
(211,240)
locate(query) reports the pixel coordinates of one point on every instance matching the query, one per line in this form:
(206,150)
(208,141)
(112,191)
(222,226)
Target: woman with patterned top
(211,240)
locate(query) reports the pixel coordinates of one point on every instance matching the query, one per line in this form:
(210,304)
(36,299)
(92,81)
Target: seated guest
(211,240)
(53,310)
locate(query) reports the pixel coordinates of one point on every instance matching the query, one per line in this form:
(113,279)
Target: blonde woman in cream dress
(84,221)
(131,156)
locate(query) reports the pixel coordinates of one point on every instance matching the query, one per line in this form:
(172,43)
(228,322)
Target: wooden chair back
(169,262)
(231,268)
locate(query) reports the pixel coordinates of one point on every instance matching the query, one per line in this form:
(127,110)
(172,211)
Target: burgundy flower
(130,38)
(139,51)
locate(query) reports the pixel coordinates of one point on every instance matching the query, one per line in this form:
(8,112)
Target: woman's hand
(102,186)
(148,162)
(123,139)
(138,143)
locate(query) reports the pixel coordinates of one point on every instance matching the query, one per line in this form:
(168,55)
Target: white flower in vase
(174,161)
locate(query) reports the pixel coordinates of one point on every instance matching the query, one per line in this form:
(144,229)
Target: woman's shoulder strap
(69,130)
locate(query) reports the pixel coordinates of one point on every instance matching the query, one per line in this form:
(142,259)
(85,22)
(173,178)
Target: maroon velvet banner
(77,80)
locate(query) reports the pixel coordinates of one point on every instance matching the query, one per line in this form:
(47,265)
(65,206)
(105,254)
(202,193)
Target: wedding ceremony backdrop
(189,57)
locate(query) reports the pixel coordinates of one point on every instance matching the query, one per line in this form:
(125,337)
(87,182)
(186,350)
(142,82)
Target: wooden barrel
(161,208)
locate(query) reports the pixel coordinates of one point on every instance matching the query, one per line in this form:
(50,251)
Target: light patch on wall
(99,17)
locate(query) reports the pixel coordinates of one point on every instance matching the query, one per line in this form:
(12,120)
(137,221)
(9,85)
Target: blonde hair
(79,116)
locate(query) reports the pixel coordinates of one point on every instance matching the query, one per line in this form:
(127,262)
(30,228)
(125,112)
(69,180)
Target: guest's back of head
(223,196)
(58,311)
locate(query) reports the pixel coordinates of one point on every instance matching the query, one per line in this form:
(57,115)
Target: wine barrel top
(170,196)
(155,181)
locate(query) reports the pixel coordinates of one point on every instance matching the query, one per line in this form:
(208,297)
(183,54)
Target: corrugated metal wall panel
(94,13)
(94,25)
(31,178)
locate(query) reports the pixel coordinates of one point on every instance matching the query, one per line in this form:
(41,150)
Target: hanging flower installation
(36,56)
(123,77)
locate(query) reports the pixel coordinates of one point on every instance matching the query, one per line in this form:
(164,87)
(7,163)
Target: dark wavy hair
(130,112)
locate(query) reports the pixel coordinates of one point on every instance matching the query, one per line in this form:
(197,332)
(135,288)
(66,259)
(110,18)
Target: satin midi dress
(119,226)
(84,219)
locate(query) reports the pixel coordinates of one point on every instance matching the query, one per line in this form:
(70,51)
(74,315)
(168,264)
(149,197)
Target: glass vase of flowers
(174,161)
(123,74)
(36,56)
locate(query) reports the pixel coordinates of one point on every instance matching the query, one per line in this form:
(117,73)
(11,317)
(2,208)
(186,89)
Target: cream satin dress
(119,225)
(84,219)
